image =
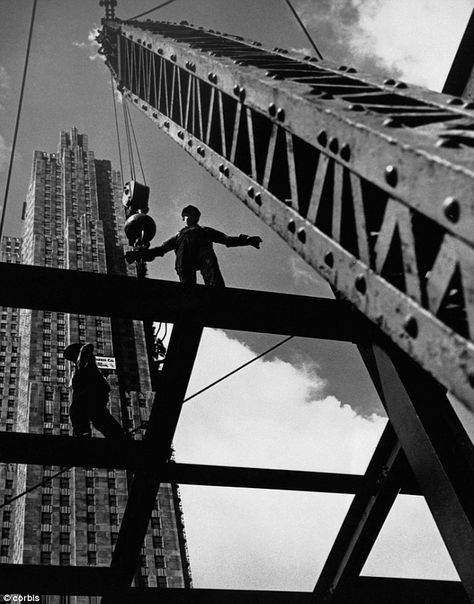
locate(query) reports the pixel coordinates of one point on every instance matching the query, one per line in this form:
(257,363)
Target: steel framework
(371,182)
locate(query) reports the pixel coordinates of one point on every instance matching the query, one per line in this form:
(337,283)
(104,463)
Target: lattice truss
(370,183)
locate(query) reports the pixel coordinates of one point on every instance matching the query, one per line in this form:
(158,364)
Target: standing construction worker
(90,395)
(194,251)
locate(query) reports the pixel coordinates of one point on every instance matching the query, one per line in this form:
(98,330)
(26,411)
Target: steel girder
(70,580)
(370,181)
(44,449)
(157,300)
(64,291)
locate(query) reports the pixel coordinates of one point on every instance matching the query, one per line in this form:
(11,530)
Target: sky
(309,405)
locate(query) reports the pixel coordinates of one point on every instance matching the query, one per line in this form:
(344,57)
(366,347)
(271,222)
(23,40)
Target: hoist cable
(150,11)
(320,56)
(129,142)
(18,114)
(116,125)
(136,146)
(221,379)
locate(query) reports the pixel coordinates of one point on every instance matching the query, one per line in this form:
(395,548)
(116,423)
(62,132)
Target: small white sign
(105,362)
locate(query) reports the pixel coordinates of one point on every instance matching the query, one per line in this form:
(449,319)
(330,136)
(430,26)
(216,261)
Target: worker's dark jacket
(193,246)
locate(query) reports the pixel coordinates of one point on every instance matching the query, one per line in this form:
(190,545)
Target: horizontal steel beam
(45,449)
(152,299)
(81,581)
(390,590)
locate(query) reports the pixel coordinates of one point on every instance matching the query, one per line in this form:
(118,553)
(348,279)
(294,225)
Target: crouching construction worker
(194,251)
(90,395)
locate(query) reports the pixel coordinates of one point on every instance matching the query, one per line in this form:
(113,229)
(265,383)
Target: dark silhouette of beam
(151,299)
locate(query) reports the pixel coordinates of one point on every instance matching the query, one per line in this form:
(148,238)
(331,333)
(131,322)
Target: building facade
(74,219)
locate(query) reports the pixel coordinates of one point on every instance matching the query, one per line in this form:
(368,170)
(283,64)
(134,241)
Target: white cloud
(417,37)
(92,46)
(274,414)
(409,39)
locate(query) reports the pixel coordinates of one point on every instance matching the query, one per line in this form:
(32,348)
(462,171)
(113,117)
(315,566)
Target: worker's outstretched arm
(242,240)
(231,241)
(151,253)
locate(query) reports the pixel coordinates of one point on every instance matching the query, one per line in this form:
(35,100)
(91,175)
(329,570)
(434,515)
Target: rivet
(160,51)
(314,60)
(322,138)
(455,101)
(272,109)
(173,57)
(210,76)
(401,85)
(190,143)
(301,235)
(181,134)
(201,151)
(242,94)
(155,115)
(360,284)
(221,168)
(346,152)
(390,122)
(333,144)
(389,82)
(342,68)
(166,124)
(451,209)
(351,70)
(251,192)
(258,199)
(356,107)
(281,114)
(329,259)
(292,226)
(145,107)
(236,90)
(410,325)
(391,176)
(226,171)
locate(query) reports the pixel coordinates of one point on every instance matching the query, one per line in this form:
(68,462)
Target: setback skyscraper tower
(74,219)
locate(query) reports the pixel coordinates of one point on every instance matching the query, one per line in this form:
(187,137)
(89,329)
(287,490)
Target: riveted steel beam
(438,450)
(371,181)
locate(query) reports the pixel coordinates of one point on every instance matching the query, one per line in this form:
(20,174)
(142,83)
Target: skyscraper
(74,219)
